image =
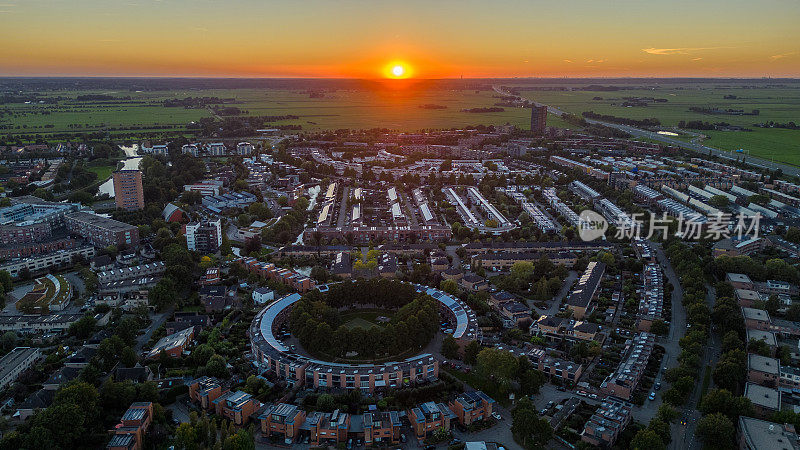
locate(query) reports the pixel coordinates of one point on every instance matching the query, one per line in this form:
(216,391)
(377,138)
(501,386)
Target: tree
(723,402)
(6,281)
(242,440)
(216,367)
(83,328)
(528,427)
(772,304)
(498,366)
(718,201)
(186,436)
(163,294)
(326,402)
(449,286)
(450,347)
(659,327)
(530,381)
(716,430)
(471,352)
(793,235)
(731,370)
(8,341)
(647,439)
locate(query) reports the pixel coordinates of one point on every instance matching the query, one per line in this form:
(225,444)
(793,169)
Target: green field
(778,104)
(384,106)
(354,109)
(103,172)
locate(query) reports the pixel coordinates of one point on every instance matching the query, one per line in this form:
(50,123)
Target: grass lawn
(358,322)
(103,172)
(364,318)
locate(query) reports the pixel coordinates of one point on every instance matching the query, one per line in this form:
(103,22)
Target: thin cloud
(782,55)
(678,50)
(568,61)
(696,59)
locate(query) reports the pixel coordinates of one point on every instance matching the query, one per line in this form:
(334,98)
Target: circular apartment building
(272,355)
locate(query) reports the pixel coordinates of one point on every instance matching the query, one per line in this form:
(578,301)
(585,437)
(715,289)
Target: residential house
(471,407)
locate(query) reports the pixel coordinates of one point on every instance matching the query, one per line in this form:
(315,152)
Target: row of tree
(316,322)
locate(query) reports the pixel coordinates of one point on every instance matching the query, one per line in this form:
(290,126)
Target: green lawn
(364,318)
(358,322)
(103,172)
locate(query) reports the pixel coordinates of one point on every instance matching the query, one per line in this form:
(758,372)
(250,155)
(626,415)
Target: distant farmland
(131,113)
(778,104)
(351,109)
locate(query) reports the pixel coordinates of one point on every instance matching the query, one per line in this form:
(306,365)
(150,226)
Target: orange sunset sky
(433,39)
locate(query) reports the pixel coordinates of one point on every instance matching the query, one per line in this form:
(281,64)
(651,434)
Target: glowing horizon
(430,40)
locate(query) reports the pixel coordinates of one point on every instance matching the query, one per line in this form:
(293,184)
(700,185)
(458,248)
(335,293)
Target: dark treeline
(99,97)
(196,102)
(652,122)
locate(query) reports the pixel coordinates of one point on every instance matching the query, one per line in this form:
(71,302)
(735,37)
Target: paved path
(157,320)
(556,301)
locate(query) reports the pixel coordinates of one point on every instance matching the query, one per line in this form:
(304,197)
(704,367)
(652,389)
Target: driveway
(500,432)
(556,301)
(157,321)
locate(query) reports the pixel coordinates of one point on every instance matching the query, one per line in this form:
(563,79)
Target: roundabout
(387,356)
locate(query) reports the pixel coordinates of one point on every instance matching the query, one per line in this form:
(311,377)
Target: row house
(471,407)
(567,371)
(428,417)
(281,421)
(560,328)
(293,279)
(328,428)
(623,381)
(382,428)
(208,394)
(605,425)
(236,406)
(129,433)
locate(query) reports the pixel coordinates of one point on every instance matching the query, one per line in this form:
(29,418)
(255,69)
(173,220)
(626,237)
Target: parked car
(497,416)
(652,396)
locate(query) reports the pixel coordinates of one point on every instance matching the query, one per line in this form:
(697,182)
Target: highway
(700,148)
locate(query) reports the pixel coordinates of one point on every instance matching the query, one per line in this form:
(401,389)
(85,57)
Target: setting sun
(397,70)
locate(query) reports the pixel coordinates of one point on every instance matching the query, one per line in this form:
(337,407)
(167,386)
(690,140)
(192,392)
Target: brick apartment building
(129,433)
(429,417)
(128,193)
(471,407)
(101,231)
(282,421)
